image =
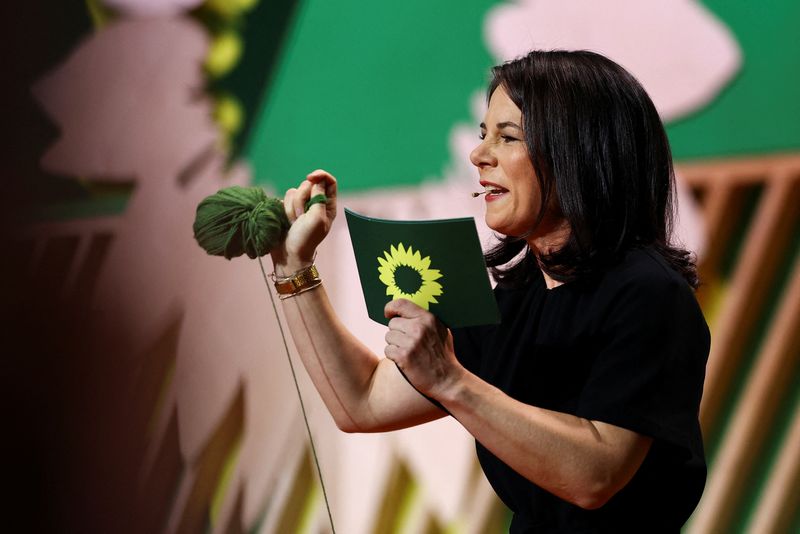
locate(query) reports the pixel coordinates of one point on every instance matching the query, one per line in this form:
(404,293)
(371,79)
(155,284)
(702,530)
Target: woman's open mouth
(493,192)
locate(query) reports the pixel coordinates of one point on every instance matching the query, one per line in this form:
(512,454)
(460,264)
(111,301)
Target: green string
(299,396)
(244,220)
(316,199)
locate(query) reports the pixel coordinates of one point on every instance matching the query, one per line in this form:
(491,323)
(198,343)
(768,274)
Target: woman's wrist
(453,388)
(300,282)
(287,265)
(290,268)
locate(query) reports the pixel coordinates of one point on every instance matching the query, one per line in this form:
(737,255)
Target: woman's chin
(496,226)
(491,223)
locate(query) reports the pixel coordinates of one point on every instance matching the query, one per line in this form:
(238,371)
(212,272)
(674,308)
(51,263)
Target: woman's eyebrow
(508,124)
(501,125)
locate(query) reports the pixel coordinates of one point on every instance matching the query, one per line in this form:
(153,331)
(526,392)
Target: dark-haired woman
(584,400)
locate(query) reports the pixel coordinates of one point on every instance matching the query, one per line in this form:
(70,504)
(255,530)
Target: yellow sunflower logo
(406,275)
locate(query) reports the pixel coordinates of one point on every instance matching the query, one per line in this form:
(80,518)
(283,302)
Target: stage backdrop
(156,104)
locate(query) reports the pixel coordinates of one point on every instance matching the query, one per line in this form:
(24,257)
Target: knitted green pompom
(240,220)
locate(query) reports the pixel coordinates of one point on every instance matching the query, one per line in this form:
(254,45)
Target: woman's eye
(508,138)
(481,136)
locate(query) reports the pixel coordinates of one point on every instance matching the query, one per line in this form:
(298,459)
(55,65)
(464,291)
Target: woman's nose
(480,156)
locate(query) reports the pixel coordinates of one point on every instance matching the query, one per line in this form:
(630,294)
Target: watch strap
(301,281)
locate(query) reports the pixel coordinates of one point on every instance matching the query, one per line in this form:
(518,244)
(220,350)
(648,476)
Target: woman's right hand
(308,228)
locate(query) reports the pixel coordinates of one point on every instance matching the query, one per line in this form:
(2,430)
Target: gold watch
(301,281)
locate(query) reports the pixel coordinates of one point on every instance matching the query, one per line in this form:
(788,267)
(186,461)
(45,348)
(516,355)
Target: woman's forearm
(362,391)
(340,367)
(584,462)
(581,461)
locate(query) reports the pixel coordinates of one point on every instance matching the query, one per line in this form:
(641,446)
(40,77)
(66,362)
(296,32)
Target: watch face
(284,288)
(300,280)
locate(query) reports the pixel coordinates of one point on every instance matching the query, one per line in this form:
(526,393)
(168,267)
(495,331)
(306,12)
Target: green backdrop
(760,111)
(370,91)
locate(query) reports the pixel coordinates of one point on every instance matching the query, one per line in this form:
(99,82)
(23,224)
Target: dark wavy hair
(601,157)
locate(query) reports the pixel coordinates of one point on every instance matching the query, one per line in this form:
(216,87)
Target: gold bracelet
(299,282)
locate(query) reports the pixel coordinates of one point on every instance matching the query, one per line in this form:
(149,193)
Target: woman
(584,400)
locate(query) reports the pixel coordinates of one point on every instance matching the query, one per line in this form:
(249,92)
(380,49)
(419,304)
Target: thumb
(402,308)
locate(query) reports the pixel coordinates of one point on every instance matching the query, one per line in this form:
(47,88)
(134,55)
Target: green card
(436,264)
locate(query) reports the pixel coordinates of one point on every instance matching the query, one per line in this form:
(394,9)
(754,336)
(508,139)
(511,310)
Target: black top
(629,348)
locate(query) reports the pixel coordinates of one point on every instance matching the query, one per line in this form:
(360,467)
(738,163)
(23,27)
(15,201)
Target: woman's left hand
(421,347)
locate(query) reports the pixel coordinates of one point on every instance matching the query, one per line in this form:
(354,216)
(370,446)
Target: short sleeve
(467,342)
(649,368)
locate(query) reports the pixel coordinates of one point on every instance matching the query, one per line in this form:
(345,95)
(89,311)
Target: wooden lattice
(751,296)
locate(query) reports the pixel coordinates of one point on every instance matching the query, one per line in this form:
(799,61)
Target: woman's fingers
(403,308)
(419,345)
(306,231)
(318,189)
(325,178)
(288,203)
(398,323)
(412,332)
(398,339)
(318,182)
(300,199)
(324,184)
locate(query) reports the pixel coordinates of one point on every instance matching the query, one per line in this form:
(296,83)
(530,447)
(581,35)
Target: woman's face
(506,172)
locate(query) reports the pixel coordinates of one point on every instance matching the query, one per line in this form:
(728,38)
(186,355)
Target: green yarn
(240,220)
(316,199)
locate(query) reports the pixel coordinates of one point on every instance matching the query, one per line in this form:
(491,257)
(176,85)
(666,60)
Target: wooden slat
(721,210)
(735,170)
(766,238)
(782,494)
(719,213)
(768,383)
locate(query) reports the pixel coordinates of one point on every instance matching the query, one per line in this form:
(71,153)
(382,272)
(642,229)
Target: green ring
(316,199)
